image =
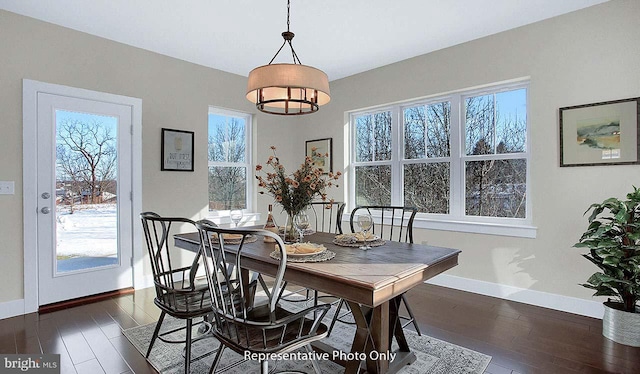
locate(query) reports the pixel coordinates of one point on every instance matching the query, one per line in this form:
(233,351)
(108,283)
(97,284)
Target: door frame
(30,91)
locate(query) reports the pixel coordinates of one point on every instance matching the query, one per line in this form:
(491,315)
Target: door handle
(45,210)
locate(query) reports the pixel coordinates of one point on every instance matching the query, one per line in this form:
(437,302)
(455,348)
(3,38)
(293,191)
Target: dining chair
(245,326)
(178,292)
(327,216)
(395,223)
(324,217)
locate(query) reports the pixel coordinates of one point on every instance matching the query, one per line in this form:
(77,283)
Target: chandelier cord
(288,13)
(276,55)
(288,36)
(294,54)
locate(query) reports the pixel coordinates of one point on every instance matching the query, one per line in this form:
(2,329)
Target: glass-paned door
(84,186)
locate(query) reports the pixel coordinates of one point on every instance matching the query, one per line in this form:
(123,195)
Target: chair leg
(411,316)
(287,297)
(335,317)
(187,355)
(216,360)
(264,367)
(155,333)
(314,362)
(264,285)
(284,286)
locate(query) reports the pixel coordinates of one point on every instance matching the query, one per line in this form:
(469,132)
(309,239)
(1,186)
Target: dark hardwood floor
(520,338)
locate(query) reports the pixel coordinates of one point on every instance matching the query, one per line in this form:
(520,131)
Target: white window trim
(456,220)
(221,217)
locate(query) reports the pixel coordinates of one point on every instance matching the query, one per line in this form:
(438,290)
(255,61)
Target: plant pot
(620,326)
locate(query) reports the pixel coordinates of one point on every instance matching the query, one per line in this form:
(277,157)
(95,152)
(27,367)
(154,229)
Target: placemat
(324,256)
(373,243)
(247,239)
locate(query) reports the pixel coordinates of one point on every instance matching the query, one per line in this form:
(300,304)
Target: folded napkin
(227,236)
(355,237)
(303,248)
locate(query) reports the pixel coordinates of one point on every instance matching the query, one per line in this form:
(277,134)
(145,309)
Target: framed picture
(177,150)
(321,153)
(605,133)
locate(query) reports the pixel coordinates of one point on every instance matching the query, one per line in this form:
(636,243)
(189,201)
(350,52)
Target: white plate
(372,239)
(321,249)
(342,239)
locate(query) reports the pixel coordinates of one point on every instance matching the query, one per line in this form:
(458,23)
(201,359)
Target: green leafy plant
(613,240)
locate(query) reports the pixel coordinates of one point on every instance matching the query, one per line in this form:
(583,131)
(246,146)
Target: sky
(510,102)
(112,122)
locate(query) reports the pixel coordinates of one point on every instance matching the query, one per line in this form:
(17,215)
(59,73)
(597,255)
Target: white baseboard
(15,308)
(544,299)
(11,308)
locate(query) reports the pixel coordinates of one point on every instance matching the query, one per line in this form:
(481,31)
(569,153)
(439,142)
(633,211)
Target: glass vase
(290,233)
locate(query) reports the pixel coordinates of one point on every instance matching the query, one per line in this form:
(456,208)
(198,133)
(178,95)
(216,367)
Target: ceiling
(341,37)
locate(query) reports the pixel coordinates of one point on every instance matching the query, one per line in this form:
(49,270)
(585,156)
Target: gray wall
(588,56)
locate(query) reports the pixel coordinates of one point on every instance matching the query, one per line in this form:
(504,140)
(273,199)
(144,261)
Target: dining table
(372,282)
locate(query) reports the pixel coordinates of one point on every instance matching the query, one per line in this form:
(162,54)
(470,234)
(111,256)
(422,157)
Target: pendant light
(288,89)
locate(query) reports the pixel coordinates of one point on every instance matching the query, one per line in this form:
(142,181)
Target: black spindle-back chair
(240,324)
(178,294)
(397,223)
(324,216)
(327,216)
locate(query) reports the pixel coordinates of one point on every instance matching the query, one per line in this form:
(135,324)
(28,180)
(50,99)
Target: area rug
(434,356)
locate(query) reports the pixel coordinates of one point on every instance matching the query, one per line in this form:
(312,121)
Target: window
(495,159)
(458,158)
(229,159)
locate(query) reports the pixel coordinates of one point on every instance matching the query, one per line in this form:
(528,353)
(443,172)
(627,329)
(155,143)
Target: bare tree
(427,136)
(86,156)
(495,185)
(227,184)
(373,143)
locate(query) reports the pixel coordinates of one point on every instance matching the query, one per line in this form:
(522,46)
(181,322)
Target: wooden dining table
(372,282)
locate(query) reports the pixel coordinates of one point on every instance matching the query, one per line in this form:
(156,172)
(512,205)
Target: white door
(84,190)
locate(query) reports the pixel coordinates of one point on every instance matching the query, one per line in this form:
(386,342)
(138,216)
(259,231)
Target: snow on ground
(90,231)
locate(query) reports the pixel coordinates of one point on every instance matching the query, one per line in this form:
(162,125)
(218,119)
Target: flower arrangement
(296,191)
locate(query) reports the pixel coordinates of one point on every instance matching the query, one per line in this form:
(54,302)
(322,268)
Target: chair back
(238,323)
(235,323)
(327,216)
(174,284)
(397,221)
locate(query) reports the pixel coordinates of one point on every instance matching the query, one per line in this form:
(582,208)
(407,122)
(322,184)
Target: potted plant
(613,240)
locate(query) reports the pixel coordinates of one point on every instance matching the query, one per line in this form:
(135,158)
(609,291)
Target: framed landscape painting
(177,150)
(606,133)
(321,153)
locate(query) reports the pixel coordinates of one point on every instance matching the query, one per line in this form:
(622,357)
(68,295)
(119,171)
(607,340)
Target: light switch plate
(7,188)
